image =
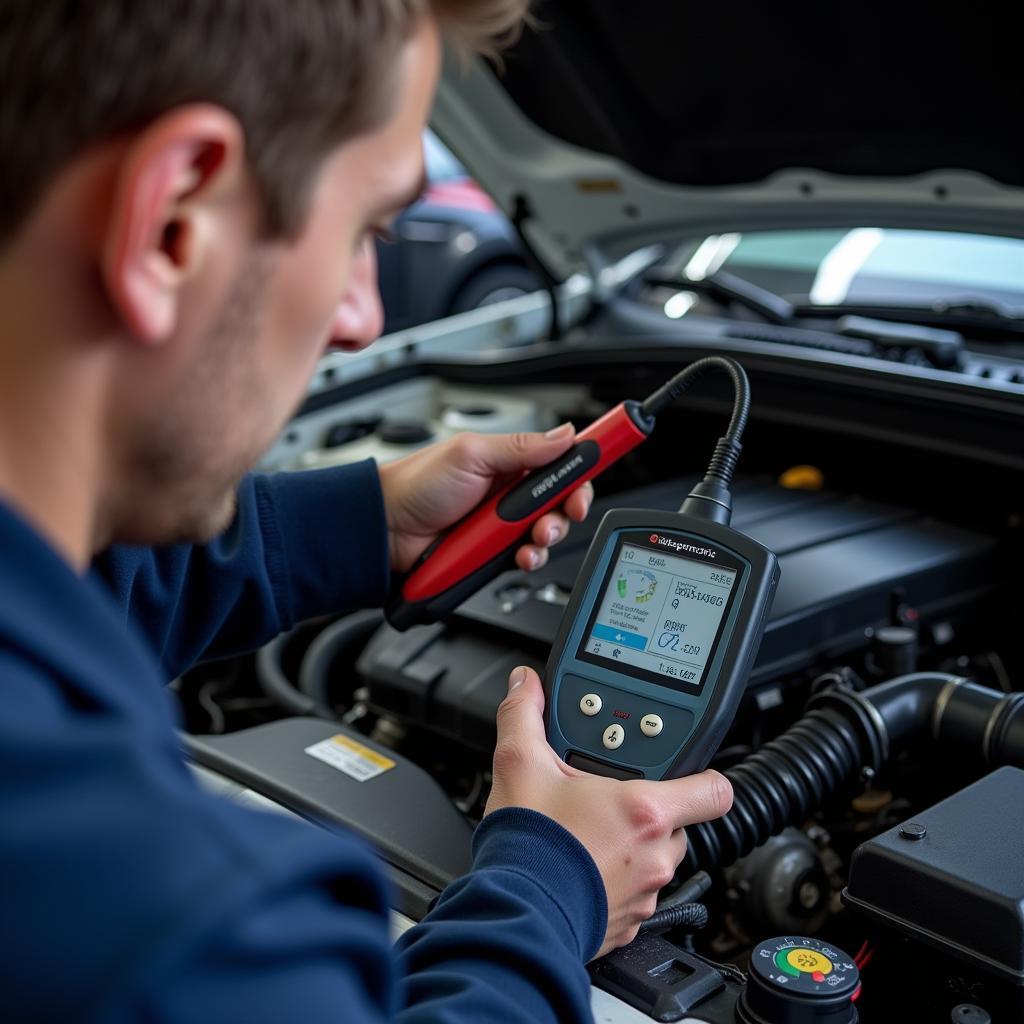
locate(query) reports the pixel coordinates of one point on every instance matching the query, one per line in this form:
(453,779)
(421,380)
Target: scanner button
(651,725)
(590,704)
(613,737)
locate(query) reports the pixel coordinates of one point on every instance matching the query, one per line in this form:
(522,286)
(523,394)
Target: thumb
(522,757)
(521,713)
(508,453)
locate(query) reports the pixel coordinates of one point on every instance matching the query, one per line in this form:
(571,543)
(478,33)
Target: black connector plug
(712,497)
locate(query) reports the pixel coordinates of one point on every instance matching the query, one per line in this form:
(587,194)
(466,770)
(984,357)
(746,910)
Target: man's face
(243,366)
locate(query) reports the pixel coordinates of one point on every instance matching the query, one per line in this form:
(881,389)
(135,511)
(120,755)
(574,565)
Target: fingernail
(534,559)
(563,431)
(517,678)
(553,535)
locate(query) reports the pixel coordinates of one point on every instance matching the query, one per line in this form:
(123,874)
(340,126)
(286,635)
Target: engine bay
(876,756)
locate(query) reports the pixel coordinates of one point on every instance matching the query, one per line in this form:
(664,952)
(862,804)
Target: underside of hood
(616,123)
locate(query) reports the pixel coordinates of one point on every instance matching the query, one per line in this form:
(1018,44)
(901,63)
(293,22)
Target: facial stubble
(189,456)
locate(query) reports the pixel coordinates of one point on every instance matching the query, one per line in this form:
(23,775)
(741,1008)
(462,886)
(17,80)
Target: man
(191,188)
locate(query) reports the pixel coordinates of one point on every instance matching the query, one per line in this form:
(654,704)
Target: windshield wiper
(725,287)
(972,306)
(969,313)
(931,330)
(937,347)
(941,347)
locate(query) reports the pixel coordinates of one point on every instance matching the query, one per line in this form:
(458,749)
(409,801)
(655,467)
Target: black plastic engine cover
(401,811)
(841,559)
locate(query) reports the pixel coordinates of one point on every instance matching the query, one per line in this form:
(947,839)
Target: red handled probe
(483,544)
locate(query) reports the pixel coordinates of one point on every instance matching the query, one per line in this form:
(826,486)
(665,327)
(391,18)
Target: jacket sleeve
(503,944)
(163,904)
(509,940)
(301,545)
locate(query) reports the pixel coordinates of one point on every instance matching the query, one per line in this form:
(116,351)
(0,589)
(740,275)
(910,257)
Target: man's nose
(359,318)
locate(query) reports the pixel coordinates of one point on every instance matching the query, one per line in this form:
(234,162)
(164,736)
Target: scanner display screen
(661,615)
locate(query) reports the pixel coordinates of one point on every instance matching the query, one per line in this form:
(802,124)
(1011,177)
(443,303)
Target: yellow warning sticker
(354,759)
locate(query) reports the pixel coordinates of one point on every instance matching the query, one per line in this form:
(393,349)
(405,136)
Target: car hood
(614,125)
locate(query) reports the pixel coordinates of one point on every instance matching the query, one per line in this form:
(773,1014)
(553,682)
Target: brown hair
(300,75)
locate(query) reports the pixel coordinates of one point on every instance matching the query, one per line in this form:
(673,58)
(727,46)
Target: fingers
(529,557)
(577,505)
(677,842)
(550,529)
(554,527)
(494,454)
(695,799)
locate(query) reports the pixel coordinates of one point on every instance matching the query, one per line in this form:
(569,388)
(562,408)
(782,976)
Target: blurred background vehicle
(453,251)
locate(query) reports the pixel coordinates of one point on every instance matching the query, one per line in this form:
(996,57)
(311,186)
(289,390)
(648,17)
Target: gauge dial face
(807,966)
(636,585)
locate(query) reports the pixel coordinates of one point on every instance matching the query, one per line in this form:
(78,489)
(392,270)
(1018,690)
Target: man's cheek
(301,326)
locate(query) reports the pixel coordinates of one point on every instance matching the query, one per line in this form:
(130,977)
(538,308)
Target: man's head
(192,188)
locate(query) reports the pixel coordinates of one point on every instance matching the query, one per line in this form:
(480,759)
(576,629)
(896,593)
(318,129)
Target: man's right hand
(633,830)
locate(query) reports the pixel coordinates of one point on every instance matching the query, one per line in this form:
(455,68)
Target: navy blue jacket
(128,894)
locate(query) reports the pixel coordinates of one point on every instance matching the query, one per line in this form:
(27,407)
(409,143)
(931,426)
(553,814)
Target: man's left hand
(432,489)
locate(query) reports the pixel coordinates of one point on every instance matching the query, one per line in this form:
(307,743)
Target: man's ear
(174,184)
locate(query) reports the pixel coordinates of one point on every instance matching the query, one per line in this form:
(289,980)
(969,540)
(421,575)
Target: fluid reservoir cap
(968,1013)
(799,980)
(896,636)
(408,432)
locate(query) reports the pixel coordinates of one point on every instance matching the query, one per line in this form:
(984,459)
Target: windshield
(863,266)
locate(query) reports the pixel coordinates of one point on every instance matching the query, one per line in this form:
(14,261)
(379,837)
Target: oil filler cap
(968,1013)
(799,981)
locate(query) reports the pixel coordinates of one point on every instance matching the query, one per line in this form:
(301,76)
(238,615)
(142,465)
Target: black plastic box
(957,890)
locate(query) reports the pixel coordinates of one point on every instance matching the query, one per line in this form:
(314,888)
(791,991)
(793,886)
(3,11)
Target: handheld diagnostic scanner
(656,644)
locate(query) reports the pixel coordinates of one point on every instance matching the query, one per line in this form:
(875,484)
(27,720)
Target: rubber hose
(275,685)
(844,732)
(318,662)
